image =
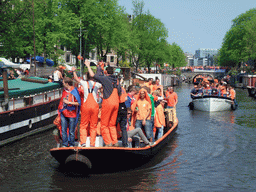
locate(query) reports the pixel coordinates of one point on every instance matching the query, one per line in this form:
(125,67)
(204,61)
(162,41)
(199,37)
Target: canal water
(209,152)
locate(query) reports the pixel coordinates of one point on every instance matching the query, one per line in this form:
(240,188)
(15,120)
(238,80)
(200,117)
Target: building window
(68,58)
(112,59)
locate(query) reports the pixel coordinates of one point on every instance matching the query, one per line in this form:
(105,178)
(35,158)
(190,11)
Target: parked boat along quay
(209,152)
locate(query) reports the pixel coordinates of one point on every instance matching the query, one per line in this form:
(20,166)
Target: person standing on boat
(142,106)
(160,118)
(122,115)
(130,96)
(110,103)
(89,109)
(69,112)
(172,100)
(157,86)
(150,85)
(57,76)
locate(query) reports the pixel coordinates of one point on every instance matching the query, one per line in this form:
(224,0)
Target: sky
(194,24)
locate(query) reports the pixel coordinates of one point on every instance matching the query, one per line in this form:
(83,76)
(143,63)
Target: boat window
(45,97)
(28,101)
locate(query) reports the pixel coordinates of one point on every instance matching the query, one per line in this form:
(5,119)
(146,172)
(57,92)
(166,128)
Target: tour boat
(102,159)
(212,103)
(27,106)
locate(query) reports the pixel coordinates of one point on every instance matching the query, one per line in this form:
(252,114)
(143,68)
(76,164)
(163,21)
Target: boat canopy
(23,88)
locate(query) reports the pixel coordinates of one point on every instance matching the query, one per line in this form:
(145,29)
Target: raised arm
(87,64)
(75,75)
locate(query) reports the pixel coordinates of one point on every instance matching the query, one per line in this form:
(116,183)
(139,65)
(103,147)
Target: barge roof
(19,87)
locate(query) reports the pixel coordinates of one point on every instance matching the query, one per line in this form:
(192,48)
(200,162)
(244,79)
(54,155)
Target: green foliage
(139,41)
(239,42)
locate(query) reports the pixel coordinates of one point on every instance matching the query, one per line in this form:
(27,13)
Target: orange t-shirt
(149,86)
(172,100)
(232,94)
(144,108)
(159,118)
(155,87)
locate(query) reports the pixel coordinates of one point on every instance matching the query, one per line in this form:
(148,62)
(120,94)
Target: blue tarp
(49,62)
(39,59)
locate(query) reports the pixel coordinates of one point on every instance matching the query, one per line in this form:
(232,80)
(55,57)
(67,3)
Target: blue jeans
(122,120)
(65,123)
(153,125)
(160,132)
(147,128)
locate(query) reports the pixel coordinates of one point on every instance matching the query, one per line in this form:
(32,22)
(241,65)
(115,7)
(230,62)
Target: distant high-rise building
(202,53)
(205,53)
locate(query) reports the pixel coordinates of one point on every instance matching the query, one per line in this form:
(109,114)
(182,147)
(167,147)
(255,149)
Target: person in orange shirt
(142,106)
(160,119)
(156,86)
(149,84)
(172,100)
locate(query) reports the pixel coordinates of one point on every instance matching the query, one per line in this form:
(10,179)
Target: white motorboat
(212,103)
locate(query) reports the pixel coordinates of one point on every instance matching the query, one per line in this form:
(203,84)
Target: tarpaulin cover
(27,88)
(49,62)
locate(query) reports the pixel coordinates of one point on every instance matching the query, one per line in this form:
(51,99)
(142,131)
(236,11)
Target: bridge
(215,74)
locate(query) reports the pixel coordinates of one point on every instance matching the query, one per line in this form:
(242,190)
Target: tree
(237,46)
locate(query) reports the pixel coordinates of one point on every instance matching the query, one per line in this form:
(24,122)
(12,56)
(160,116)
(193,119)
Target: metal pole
(34,36)
(81,76)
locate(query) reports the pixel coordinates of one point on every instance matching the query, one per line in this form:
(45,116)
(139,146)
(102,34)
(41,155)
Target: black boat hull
(111,159)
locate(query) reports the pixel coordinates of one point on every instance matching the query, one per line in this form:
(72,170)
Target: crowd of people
(206,86)
(106,108)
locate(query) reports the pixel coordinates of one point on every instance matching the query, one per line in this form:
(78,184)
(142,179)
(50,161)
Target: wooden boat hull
(111,159)
(212,103)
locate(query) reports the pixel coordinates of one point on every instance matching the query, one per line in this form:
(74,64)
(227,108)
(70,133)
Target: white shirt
(56,76)
(95,90)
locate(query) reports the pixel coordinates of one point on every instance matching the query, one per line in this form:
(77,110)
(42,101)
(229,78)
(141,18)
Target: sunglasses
(129,113)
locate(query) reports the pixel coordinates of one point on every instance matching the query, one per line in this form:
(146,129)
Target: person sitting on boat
(110,103)
(200,90)
(133,134)
(232,93)
(89,109)
(172,100)
(223,89)
(69,112)
(207,89)
(142,106)
(160,119)
(57,76)
(194,92)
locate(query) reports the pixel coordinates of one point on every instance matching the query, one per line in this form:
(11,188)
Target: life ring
(78,163)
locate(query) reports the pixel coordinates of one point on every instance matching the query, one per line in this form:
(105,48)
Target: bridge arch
(208,75)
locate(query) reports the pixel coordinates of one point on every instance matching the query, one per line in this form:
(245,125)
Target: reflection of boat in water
(212,103)
(110,159)
(23,108)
